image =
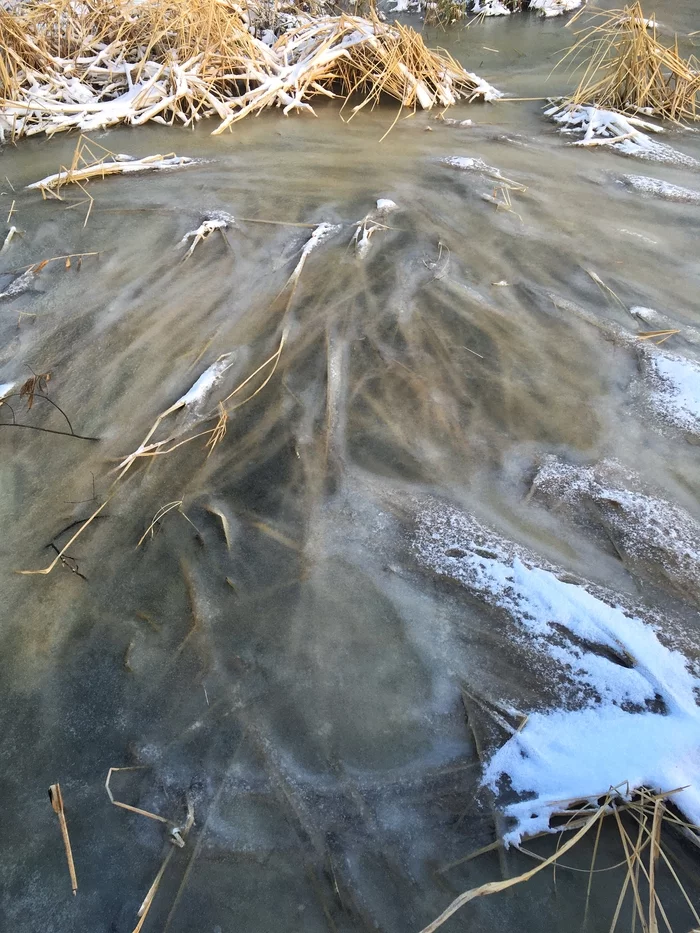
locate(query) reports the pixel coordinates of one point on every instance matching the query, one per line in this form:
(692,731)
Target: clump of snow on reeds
(215,220)
(555,7)
(365,228)
(625,134)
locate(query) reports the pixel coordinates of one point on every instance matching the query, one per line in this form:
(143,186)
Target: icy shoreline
(636,721)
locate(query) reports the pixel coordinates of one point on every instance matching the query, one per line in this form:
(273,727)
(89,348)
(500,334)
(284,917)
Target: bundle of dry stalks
(92,66)
(643,820)
(631,71)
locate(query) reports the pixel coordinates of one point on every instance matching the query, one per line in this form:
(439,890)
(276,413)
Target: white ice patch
(647,315)
(582,752)
(661,189)
(386,206)
(5,389)
(676,389)
(196,398)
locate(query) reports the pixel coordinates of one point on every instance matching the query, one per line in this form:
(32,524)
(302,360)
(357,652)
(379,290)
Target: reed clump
(643,819)
(90,66)
(631,71)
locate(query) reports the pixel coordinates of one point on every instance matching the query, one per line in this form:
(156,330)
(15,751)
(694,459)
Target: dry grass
(91,66)
(56,798)
(631,71)
(640,823)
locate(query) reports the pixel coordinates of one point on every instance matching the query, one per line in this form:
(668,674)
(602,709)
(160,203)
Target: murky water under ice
(303,686)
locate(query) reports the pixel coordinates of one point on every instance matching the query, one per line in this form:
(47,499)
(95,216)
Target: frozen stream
(280,655)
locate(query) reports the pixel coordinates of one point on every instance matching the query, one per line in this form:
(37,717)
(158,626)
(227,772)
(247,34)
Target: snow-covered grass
(626,134)
(365,228)
(658,188)
(200,59)
(472,164)
(117,165)
(555,7)
(215,220)
(637,719)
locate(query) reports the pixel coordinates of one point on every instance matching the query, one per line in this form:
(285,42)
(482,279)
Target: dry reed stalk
(153,890)
(225,524)
(649,811)
(88,164)
(92,66)
(631,71)
(127,806)
(196,396)
(56,799)
(160,514)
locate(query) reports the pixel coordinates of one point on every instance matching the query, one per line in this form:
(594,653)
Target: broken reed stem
(152,891)
(56,799)
(493,887)
(126,806)
(63,550)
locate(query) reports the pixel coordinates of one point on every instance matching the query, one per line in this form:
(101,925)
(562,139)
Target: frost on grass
(657,321)
(490,8)
(493,7)
(365,228)
(657,188)
(22,283)
(546,7)
(215,220)
(673,384)
(478,166)
(626,134)
(198,398)
(655,539)
(114,165)
(637,720)
(555,7)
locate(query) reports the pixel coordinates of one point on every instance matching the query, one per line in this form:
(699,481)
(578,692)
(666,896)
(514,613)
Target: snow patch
(615,735)
(660,189)
(555,7)
(675,389)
